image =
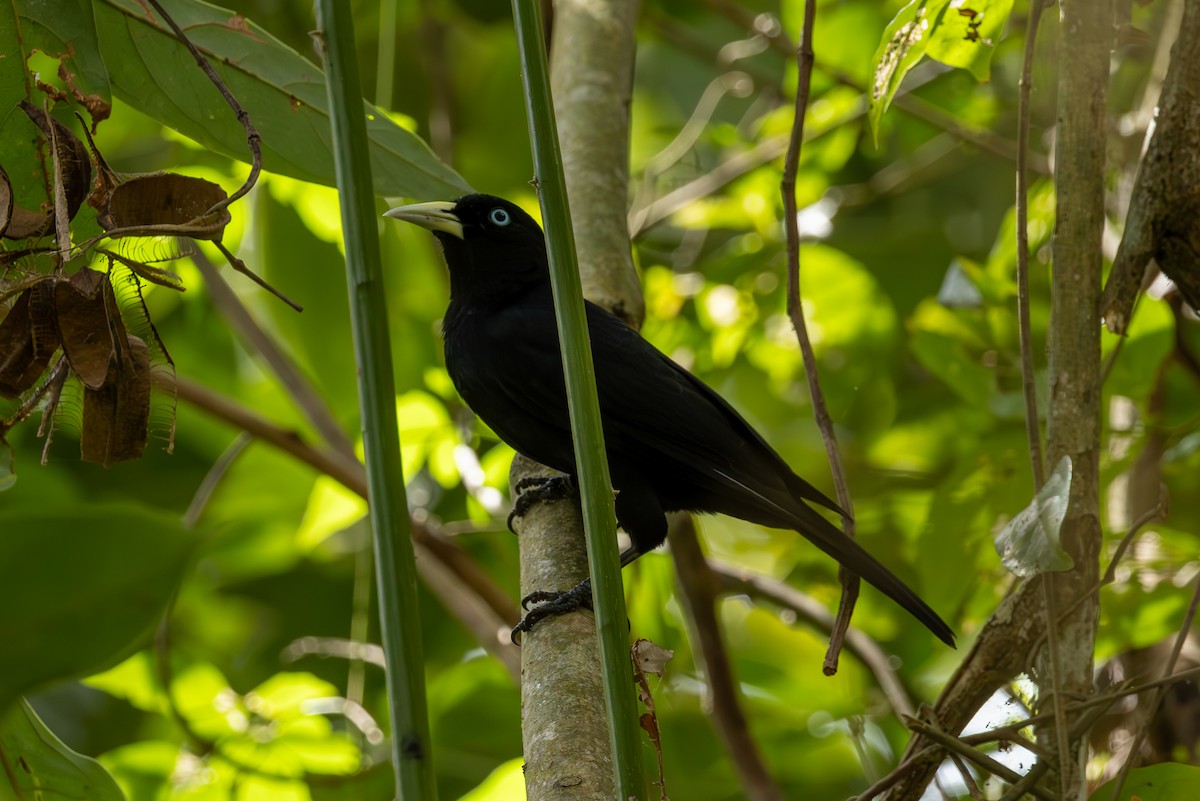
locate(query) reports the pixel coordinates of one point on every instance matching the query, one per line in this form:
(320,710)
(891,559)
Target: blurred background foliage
(909,285)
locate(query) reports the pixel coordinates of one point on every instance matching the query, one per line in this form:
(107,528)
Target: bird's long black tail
(853,557)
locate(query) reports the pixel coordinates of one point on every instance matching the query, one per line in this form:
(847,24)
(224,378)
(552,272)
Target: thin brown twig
(896,774)
(239,265)
(253,139)
(1099,701)
(968,779)
(1028,382)
(1092,709)
(955,745)
(850,582)
(1081,726)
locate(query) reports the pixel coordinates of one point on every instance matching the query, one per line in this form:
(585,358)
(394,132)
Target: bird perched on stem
(673,443)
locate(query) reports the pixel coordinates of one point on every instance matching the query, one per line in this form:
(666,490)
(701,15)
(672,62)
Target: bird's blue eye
(499,217)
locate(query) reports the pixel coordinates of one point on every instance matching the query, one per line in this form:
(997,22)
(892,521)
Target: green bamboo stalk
(395,566)
(595,486)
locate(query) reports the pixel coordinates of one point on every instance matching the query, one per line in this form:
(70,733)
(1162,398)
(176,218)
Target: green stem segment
(591,464)
(395,565)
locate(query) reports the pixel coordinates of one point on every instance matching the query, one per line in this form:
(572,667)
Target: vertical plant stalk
(1028,381)
(395,566)
(1073,417)
(850,582)
(591,464)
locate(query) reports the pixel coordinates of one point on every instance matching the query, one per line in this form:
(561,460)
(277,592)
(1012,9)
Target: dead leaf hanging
(89,324)
(28,338)
(73,167)
(116,415)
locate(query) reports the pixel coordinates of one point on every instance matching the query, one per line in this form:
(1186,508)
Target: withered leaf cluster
(78,315)
(63,326)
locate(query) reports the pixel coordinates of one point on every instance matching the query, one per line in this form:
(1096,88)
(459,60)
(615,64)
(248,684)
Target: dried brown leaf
(89,324)
(28,338)
(71,160)
(166,203)
(117,414)
(6,201)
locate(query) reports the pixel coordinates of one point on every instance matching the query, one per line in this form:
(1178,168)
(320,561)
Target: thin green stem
(395,566)
(594,484)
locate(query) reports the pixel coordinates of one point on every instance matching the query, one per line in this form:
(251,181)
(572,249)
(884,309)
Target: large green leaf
(63,30)
(43,767)
(1166,782)
(81,588)
(284,94)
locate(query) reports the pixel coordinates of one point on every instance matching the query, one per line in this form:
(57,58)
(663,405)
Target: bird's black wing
(649,401)
(655,414)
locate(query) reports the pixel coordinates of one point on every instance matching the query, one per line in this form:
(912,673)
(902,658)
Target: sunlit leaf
(331,508)
(903,44)
(134,680)
(1030,543)
(505,783)
(968,33)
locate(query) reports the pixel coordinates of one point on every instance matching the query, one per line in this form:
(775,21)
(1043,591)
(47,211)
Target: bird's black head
(492,246)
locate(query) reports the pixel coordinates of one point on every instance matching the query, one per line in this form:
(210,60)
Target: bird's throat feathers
(482,271)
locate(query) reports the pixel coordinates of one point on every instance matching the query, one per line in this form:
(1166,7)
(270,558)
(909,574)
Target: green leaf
(960,36)
(904,42)
(65,29)
(946,358)
(82,588)
(966,35)
(43,767)
(35,36)
(1030,543)
(284,94)
(1169,781)
(505,783)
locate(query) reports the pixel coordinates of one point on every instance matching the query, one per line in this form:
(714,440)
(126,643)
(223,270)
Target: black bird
(673,443)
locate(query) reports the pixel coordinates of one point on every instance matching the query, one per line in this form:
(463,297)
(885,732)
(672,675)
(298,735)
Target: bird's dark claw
(536,489)
(551,604)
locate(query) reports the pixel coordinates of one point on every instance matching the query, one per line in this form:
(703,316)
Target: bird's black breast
(505,363)
(663,429)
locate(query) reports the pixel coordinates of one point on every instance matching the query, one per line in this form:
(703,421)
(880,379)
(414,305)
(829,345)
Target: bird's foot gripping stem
(552,604)
(537,489)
